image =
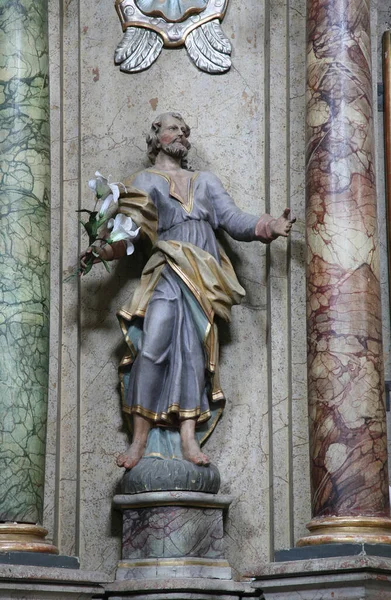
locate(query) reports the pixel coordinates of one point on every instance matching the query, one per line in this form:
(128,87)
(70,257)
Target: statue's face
(171,130)
(172,137)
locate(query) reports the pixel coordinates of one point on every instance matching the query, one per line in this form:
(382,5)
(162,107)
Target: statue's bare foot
(132,456)
(191,451)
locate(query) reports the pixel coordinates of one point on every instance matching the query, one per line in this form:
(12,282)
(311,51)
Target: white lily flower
(105,206)
(106,191)
(122,229)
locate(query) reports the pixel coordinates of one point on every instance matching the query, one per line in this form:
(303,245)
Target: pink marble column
(350,499)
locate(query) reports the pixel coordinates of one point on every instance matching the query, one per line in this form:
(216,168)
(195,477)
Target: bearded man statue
(170,375)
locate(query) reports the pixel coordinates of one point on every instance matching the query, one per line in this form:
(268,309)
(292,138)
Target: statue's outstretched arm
(241,225)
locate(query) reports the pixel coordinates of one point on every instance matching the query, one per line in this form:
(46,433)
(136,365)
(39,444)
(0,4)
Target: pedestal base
(39,559)
(328,530)
(173,568)
(37,583)
(333,551)
(344,578)
(24,537)
(181,589)
(172,534)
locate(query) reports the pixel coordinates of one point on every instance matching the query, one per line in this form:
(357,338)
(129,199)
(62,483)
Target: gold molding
(158,503)
(173,562)
(24,537)
(329,530)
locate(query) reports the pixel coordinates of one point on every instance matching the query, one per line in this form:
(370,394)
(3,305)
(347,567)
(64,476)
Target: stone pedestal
(181,589)
(172,534)
(26,582)
(362,577)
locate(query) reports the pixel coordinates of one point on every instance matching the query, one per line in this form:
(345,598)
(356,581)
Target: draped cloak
(170,371)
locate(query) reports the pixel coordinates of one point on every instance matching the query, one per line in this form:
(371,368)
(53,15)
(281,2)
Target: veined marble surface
(24,257)
(345,377)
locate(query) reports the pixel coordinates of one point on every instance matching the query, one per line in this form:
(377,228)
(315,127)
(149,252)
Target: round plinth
(331,530)
(157,474)
(24,537)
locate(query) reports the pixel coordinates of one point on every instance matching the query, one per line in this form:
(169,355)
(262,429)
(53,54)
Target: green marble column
(24,257)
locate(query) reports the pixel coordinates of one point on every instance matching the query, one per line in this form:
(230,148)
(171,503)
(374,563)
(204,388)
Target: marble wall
(247,127)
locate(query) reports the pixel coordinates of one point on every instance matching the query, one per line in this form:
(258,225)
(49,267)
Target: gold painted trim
(188,204)
(166,416)
(127,360)
(173,562)
(360,521)
(24,537)
(209,337)
(127,339)
(209,313)
(372,530)
(159,503)
(129,316)
(212,426)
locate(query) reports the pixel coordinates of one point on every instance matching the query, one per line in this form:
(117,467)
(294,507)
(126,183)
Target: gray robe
(171,372)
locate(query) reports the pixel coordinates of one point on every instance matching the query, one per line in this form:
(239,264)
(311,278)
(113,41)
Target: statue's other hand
(283,225)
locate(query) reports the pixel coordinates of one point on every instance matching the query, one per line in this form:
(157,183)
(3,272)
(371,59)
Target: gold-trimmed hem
(166,416)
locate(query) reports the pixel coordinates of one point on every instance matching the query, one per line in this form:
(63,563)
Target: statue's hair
(153,141)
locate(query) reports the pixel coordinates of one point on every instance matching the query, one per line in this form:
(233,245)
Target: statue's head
(169,133)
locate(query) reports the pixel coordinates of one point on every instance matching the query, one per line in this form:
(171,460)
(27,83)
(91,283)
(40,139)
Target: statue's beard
(176,149)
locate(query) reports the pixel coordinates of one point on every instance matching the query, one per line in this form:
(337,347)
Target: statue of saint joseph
(170,375)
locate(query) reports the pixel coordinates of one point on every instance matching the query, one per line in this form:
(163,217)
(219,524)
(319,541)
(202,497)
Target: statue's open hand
(283,224)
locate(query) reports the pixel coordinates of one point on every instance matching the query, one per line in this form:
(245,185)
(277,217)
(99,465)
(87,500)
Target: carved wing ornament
(149,25)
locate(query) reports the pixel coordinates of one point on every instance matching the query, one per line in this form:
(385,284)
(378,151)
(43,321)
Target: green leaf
(88,267)
(106,265)
(71,276)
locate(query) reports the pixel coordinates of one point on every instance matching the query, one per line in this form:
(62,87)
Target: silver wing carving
(138,49)
(209,48)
